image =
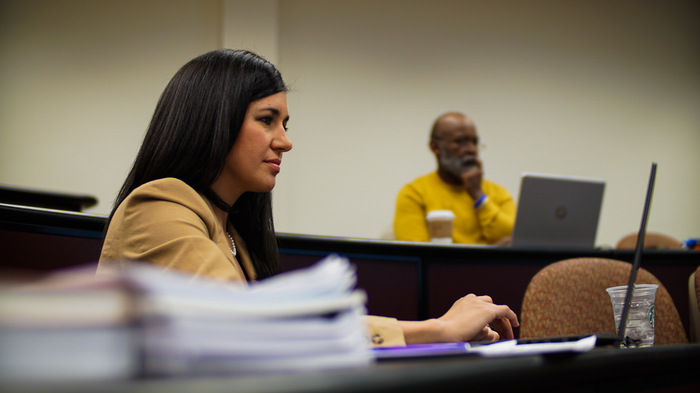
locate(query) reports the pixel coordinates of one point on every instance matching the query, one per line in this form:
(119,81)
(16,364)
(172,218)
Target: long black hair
(195,124)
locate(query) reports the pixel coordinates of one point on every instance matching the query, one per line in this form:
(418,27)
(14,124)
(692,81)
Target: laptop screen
(557,211)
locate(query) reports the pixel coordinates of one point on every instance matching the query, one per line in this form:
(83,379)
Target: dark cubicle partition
(403,280)
(38,239)
(46,199)
(446,272)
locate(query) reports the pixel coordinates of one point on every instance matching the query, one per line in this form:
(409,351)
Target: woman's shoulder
(166,186)
(168,191)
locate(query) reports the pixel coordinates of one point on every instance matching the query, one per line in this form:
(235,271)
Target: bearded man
(484,211)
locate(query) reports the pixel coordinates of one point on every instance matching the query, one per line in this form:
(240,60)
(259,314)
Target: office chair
(569,298)
(694,300)
(652,240)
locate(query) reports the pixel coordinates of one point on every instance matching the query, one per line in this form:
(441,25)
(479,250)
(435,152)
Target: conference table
(670,368)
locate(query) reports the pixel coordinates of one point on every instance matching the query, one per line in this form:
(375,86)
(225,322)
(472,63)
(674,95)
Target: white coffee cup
(440,225)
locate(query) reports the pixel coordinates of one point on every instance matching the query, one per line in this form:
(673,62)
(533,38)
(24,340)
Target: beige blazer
(167,223)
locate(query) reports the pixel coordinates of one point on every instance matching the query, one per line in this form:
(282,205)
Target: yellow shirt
(169,224)
(492,221)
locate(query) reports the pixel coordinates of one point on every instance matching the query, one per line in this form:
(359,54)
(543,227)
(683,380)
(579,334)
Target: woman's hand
(471,318)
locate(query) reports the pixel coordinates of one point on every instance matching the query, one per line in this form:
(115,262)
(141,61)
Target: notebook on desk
(557,211)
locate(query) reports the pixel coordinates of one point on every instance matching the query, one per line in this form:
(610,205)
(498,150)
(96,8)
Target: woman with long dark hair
(197,198)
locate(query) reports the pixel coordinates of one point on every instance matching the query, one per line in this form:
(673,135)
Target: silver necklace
(233,250)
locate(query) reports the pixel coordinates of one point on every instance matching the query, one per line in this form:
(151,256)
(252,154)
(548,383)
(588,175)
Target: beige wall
(252,25)
(79,81)
(595,89)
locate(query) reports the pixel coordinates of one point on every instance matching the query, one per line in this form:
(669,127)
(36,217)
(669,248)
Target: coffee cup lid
(438,214)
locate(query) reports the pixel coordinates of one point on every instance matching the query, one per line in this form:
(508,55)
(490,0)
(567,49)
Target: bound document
(150,322)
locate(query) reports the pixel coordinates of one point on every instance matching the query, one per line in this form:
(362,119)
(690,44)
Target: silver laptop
(557,212)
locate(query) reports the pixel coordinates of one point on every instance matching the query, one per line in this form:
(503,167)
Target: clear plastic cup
(640,322)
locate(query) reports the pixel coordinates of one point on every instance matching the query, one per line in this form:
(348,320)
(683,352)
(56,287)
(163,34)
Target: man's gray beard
(451,163)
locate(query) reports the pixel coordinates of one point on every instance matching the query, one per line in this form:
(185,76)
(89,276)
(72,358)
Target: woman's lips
(275,164)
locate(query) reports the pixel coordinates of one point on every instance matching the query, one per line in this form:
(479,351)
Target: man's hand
(471,179)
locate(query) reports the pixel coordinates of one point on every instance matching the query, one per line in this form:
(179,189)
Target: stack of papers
(67,326)
(309,319)
(151,322)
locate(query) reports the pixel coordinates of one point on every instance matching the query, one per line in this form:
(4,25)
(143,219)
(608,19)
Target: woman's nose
(282,142)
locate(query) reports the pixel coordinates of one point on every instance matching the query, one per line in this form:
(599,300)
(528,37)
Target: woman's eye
(266,120)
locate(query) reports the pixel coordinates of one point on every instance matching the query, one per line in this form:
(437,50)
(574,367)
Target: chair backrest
(693,302)
(568,297)
(652,240)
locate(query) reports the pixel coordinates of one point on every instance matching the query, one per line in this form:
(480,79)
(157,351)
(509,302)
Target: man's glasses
(463,142)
